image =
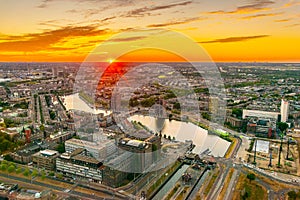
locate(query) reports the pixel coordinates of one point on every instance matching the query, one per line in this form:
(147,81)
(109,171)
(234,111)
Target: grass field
(231,147)
(249,190)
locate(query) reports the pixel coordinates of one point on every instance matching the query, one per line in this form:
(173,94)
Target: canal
(172,181)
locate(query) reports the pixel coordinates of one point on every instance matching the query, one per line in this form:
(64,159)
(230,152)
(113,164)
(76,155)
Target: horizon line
(151,61)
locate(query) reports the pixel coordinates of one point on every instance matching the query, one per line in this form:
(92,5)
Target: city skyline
(54,30)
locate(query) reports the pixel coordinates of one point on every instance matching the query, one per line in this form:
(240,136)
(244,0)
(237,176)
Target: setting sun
(110,60)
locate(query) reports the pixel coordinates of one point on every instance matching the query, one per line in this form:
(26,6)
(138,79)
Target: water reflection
(183,131)
(75,102)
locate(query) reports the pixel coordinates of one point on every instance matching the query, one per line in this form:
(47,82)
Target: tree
(61,148)
(59,176)
(34,173)
(52,114)
(251,176)
(11,168)
(282,126)
(133,102)
(3,167)
(169,95)
(8,157)
(292,195)
(19,170)
(205,115)
(76,137)
(176,106)
(237,112)
(51,174)
(43,176)
(26,172)
(9,122)
(246,195)
(148,102)
(154,147)
(42,128)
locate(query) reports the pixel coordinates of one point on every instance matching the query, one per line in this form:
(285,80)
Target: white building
(98,150)
(260,114)
(284,109)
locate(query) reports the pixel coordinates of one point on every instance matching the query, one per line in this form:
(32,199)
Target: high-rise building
(284,109)
(54,71)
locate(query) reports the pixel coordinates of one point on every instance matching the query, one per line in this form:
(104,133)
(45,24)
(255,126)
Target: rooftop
(133,143)
(48,152)
(86,159)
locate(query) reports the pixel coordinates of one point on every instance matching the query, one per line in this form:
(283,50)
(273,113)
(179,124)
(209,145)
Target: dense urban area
(149,131)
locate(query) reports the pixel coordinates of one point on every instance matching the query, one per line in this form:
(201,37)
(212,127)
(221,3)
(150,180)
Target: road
(239,169)
(231,185)
(219,183)
(59,189)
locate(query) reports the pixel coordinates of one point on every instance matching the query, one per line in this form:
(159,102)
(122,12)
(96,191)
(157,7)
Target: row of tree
(7,143)
(11,167)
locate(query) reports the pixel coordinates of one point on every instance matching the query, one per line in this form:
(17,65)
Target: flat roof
(135,143)
(48,152)
(262,146)
(260,113)
(86,159)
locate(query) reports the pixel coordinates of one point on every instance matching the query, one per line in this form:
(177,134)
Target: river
(183,131)
(74,102)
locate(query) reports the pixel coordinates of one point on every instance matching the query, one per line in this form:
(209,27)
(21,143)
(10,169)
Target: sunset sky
(229,30)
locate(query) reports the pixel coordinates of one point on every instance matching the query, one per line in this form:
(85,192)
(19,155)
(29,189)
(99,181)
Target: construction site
(275,155)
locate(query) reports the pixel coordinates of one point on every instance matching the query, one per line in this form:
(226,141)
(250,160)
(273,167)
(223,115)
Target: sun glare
(110,60)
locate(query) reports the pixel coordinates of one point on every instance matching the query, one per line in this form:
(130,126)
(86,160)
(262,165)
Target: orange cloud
(176,22)
(282,20)
(291,3)
(47,40)
(251,8)
(140,12)
(235,39)
(261,15)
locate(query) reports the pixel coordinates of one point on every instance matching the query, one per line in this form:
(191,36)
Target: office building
(45,159)
(260,114)
(284,109)
(98,150)
(137,152)
(78,164)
